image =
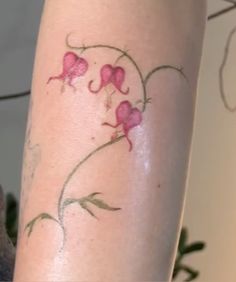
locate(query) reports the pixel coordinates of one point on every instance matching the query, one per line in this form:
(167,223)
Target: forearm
(111,78)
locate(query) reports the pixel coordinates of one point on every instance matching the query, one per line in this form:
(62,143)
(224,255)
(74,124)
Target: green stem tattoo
(75,169)
(127,117)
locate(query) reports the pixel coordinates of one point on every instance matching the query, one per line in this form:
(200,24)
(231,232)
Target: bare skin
(110,130)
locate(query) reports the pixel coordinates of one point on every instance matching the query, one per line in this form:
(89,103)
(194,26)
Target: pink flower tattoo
(73,67)
(128,117)
(110,75)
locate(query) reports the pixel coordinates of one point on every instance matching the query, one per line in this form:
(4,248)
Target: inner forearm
(108,139)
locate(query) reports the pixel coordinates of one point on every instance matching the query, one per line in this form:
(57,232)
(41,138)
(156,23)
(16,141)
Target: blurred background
(210,212)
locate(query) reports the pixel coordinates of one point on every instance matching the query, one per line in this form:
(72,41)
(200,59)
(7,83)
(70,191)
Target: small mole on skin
(93,138)
(159,186)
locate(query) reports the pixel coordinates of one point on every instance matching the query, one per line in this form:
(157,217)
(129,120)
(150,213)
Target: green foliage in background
(184,248)
(11,217)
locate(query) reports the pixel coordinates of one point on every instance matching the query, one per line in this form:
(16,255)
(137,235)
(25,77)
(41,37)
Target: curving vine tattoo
(128,117)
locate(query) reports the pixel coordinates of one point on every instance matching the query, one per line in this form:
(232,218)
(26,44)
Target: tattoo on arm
(127,115)
(32,156)
(32,153)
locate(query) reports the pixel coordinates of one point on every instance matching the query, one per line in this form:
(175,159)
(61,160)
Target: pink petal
(129,141)
(69,60)
(134,119)
(123,111)
(78,69)
(118,79)
(106,75)
(73,66)
(128,117)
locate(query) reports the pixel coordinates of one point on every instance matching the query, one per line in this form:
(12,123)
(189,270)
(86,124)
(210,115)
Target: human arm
(69,154)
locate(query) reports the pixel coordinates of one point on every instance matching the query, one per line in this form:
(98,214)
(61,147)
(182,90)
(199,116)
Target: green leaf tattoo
(84,201)
(30,226)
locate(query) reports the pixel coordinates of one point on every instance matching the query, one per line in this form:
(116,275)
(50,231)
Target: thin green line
(60,210)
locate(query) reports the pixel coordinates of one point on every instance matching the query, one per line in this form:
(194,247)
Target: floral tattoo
(110,75)
(127,115)
(73,67)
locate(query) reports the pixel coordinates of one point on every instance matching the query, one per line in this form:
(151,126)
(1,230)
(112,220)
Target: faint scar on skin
(32,154)
(32,157)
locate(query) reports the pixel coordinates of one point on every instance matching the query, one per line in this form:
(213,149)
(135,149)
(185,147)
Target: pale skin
(105,199)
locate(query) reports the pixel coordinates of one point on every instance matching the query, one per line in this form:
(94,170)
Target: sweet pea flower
(110,75)
(73,67)
(128,117)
